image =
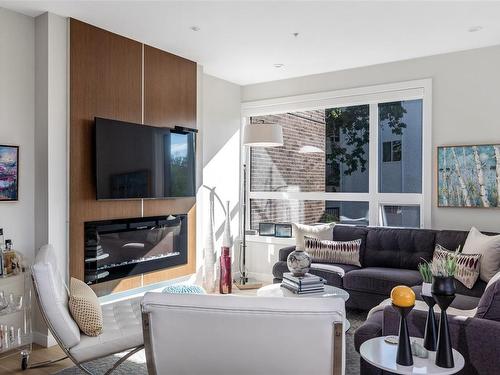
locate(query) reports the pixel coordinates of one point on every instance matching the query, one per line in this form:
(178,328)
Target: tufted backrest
(53,297)
(217,334)
(398,247)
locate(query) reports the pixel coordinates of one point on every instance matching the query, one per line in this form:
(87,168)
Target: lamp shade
(263,135)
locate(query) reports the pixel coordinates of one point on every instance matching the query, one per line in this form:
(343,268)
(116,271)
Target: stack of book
(307,284)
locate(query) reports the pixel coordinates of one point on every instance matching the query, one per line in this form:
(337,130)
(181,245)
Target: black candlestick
(430,337)
(404,356)
(444,353)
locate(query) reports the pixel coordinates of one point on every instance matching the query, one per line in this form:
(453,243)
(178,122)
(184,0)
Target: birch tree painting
(469,176)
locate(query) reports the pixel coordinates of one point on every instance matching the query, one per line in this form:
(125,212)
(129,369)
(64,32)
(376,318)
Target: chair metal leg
(47,363)
(124,358)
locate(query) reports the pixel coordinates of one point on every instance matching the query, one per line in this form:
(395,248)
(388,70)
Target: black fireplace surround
(125,247)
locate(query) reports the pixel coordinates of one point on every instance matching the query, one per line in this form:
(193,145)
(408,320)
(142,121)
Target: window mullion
(373,166)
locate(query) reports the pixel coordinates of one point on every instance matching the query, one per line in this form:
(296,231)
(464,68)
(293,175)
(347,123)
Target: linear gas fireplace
(125,247)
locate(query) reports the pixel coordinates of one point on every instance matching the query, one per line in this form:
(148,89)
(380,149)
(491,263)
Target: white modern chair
(122,329)
(227,335)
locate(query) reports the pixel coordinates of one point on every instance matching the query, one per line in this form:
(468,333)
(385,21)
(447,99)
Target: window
(356,159)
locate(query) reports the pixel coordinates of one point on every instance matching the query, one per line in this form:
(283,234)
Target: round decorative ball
(298,262)
(402,296)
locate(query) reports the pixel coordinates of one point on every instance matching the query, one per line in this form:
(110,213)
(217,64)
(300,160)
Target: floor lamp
(254,135)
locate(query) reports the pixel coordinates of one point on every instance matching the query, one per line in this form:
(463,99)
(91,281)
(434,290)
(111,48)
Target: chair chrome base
(80,365)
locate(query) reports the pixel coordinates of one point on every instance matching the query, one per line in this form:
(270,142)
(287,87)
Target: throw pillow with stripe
(326,251)
(468,265)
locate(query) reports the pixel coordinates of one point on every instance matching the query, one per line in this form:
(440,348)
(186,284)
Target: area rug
(137,363)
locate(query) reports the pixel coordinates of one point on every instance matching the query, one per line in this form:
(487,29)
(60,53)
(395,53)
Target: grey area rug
(136,364)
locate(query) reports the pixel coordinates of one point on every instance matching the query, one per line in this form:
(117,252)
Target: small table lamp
(255,135)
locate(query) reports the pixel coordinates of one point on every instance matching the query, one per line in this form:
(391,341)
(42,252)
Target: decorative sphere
(402,296)
(298,262)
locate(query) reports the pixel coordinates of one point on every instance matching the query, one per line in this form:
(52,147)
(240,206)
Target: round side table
(382,355)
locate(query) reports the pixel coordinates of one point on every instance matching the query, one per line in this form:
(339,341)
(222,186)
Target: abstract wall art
(9,173)
(469,176)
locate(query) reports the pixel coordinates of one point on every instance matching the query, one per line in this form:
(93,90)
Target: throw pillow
(321,232)
(489,304)
(488,247)
(341,252)
(85,308)
(467,265)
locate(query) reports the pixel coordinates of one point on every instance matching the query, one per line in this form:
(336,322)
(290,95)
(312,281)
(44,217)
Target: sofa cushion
(398,248)
(328,251)
(351,233)
(461,302)
(451,239)
(489,304)
(380,280)
(300,231)
(489,247)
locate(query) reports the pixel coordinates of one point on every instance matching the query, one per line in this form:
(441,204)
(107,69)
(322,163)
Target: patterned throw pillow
(325,251)
(85,308)
(467,265)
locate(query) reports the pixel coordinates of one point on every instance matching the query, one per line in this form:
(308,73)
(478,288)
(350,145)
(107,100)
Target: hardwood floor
(12,364)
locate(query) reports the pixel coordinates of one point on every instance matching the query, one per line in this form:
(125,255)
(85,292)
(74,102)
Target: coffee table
(275,290)
(382,355)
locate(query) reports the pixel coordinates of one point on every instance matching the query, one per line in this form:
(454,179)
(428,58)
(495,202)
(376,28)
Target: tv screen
(140,161)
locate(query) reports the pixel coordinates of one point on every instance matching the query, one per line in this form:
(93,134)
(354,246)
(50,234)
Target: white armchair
(122,329)
(227,335)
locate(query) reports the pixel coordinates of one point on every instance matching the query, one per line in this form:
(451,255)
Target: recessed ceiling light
(278,65)
(195,28)
(473,29)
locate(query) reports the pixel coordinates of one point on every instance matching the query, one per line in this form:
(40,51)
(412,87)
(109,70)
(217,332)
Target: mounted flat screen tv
(135,161)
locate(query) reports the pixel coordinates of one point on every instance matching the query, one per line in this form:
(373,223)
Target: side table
(382,355)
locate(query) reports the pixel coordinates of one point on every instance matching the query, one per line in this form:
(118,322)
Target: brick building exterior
(288,168)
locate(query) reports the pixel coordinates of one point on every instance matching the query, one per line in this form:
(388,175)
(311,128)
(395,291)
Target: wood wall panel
(106,81)
(169,89)
(169,100)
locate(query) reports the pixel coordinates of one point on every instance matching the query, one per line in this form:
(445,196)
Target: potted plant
(426,273)
(443,272)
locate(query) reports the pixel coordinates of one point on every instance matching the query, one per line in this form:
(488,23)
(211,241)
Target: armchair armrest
(284,252)
(476,339)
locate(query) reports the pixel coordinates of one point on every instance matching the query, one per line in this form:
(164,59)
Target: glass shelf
(19,318)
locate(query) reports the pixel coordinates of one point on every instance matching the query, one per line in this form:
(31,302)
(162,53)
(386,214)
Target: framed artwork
(9,173)
(469,176)
(283,230)
(267,229)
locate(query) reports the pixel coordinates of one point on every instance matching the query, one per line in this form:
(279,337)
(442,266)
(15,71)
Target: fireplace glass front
(125,247)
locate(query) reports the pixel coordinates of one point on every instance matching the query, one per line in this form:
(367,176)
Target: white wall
(466,91)
(17,123)
(51,156)
(220,138)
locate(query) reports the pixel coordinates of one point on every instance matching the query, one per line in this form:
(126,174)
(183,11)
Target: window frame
(372,96)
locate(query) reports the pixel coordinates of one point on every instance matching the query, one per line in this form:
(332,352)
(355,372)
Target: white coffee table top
(275,290)
(383,356)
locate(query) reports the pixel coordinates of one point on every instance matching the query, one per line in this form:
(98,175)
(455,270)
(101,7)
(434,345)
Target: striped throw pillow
(468,265)
(325,251)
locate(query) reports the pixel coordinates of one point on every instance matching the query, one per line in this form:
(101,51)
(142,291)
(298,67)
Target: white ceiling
(240,41)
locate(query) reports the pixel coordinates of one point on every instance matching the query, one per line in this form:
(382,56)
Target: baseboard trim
(44,339)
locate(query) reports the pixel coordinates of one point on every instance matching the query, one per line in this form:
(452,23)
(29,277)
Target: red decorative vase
(225,280)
